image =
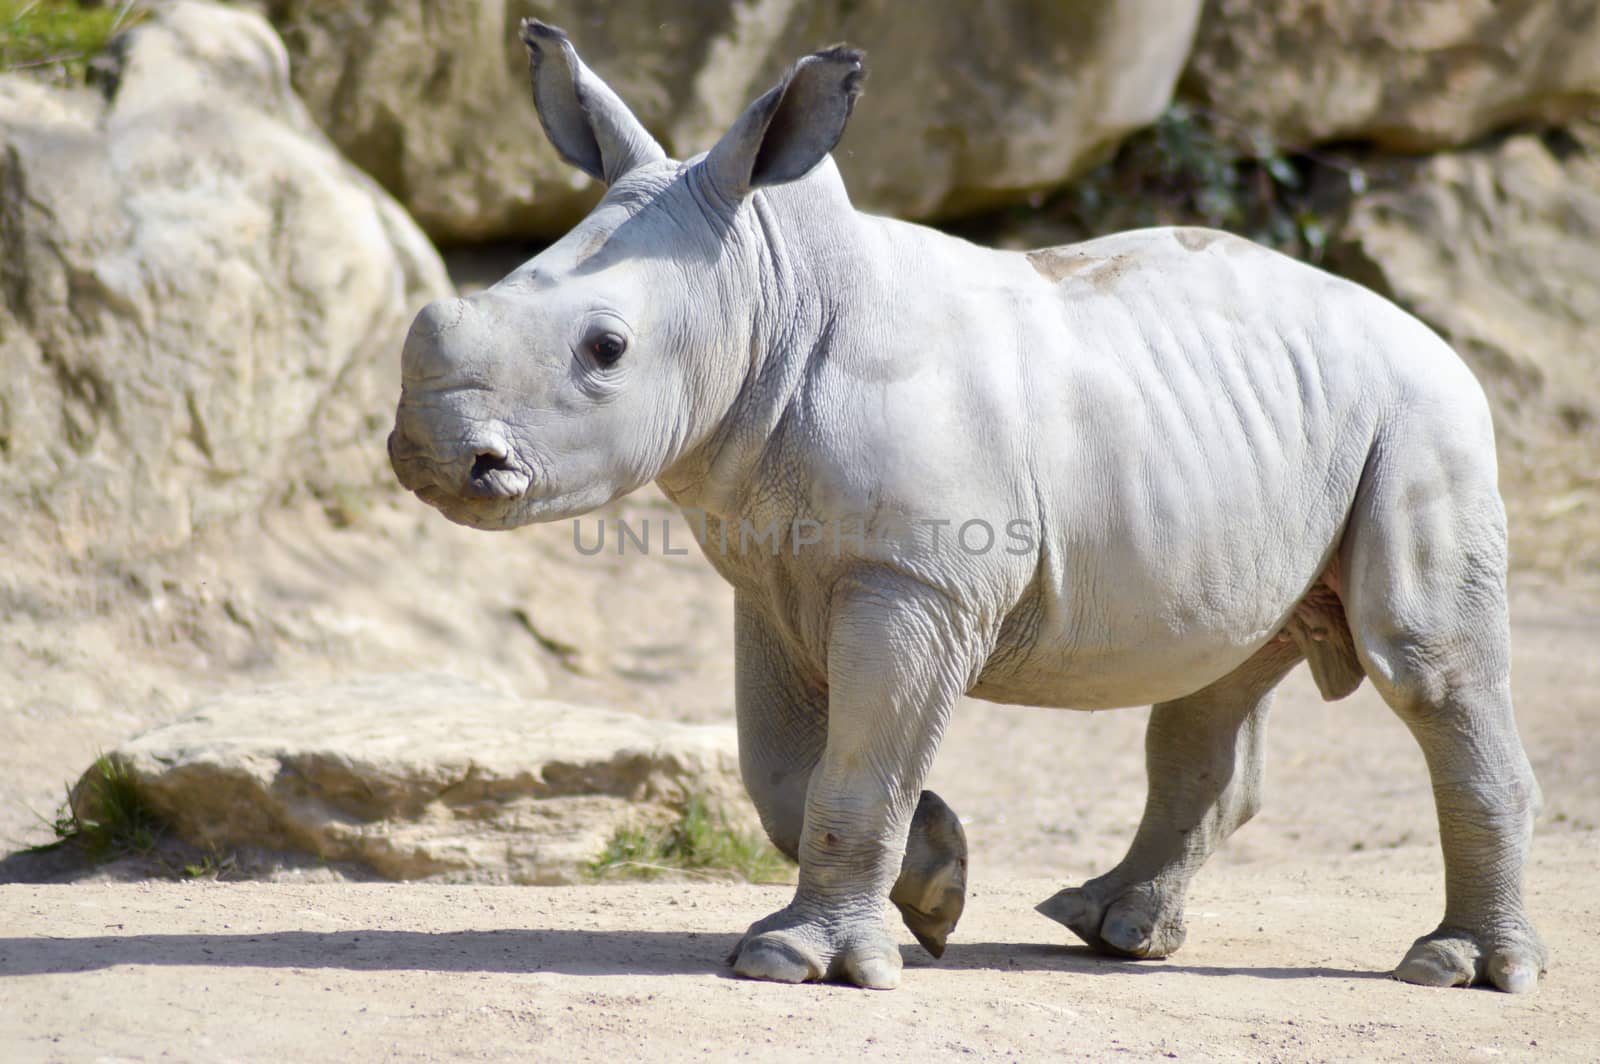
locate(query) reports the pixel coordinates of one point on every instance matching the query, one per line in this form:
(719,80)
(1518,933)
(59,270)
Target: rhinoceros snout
(476,469)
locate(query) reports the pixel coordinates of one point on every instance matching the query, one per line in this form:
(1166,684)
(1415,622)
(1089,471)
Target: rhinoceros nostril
(488,462)
(495,476)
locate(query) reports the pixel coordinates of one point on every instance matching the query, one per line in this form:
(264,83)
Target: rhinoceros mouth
(503,514)
(489,514)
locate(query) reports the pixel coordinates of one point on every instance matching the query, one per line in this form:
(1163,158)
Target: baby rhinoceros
(1162,467)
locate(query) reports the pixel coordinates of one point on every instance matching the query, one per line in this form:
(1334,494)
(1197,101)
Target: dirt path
(1284,963)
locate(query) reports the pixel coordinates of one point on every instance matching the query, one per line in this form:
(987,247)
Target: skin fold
(1162,467)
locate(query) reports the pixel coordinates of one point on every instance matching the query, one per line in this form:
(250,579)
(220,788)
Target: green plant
(109,817)
(1193,168)
(697,844)
(210,866)
(55,39)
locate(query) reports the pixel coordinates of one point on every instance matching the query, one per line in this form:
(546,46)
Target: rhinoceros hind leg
(1204,756)
(1425,597)
(1143,921)
(932,888)
(1486,798)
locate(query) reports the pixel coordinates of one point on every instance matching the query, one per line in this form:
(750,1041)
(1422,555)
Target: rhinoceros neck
(809,264)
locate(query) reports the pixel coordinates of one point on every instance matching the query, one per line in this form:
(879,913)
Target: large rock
(423,777)
(967,106)
(1498,248)
(200,300)
(1407,76)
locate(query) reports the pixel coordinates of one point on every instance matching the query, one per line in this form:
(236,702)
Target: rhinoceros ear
(588,124)
(788,131)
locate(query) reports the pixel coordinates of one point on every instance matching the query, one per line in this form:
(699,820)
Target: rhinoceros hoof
(787,948)
(1143,920)
(932,889)
(1511,959)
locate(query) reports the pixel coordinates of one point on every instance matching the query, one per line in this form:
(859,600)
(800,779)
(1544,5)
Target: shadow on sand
(562,952)
(1081,960)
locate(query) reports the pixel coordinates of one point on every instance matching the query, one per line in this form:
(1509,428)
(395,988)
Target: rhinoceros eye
(607,347)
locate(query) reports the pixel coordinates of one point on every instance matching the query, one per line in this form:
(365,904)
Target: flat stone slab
(424,777)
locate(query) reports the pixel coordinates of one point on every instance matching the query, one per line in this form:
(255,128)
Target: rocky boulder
(1406,76)
(201,302)
(1498,248)
(967,107)
(423,777)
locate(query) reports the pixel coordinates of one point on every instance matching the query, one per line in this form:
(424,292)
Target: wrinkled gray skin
(1224,463)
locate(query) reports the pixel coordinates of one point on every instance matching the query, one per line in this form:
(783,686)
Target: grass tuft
(110,818)
(698,844)
(211,865)
(55,39)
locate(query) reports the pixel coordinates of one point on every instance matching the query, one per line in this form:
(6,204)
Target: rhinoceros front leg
(895,668)
(1204,757)
(782,713)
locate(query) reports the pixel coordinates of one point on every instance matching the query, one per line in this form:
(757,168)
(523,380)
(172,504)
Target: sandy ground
(1284,963)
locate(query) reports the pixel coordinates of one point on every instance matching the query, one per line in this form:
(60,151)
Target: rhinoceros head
(623,347)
